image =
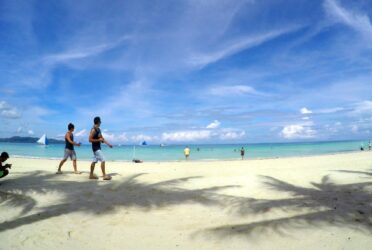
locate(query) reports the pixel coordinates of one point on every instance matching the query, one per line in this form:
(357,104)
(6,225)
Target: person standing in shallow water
(186,151)
(69,149)
(242,152)
(96,138)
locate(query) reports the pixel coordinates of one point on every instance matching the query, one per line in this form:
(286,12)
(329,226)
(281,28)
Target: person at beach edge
(69,149)
(96,138)
(186,151)
(242,152)
(3,169)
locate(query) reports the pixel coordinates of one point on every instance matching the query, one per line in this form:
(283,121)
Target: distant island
(20,139)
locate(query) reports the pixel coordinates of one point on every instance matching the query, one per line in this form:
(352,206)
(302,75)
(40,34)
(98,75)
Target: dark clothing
(242,152)
(97,134)
(3,170)
(4,173)
(70,145)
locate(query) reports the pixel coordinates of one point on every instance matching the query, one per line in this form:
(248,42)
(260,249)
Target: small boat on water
(43,140)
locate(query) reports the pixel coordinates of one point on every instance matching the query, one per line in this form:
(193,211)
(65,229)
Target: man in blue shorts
(3,169)
(96,138)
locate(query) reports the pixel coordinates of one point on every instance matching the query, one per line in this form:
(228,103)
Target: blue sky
(187,71)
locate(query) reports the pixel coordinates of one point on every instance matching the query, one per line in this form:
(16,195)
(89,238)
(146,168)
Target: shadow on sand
(95,196)
(367,173)
(323,204)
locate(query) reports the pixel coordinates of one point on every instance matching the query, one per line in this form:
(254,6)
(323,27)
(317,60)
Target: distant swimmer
(186,151)
(369,145)
(242,152)
(69,149)
(4,168)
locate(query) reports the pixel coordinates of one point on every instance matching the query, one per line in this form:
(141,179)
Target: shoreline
(202,160)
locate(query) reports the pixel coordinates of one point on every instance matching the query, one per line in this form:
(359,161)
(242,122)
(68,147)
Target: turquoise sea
(198,152)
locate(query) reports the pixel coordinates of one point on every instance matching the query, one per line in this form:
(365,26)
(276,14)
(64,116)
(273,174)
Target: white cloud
(113,138)
(364,107)
(305,111)
(357,21)
(30,132)
(187,136)
(214,124)
(81,133)
(232,135)
(122,137)
(141,138)
(8,111)
(298,131)
(305,118)
(11,113)
(234,90)
(3,105)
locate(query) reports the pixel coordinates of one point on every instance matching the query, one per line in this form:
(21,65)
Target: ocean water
(197,152)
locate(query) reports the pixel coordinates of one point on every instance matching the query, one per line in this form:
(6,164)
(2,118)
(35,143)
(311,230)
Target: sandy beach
(318,202)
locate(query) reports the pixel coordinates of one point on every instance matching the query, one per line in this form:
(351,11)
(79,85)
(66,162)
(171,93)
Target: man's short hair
(97,120)
(4,155)
(70,126)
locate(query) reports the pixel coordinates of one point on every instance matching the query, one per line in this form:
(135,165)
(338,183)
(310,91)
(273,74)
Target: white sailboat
(43,140)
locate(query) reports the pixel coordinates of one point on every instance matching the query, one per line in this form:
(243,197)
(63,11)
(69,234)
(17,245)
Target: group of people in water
(186,152)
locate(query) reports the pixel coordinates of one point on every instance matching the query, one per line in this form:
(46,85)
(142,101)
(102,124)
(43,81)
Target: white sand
(290,203)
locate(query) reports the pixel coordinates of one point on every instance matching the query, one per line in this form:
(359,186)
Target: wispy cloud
(234,90)
(358,21)
(232,47)
(82,52)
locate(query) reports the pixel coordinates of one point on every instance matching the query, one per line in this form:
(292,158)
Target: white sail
(43,140)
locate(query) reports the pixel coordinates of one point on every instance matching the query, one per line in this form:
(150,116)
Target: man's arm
(106,142)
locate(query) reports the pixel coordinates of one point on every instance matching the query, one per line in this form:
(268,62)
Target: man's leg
(91,175)
(60,166)
(75,167)
(103,168)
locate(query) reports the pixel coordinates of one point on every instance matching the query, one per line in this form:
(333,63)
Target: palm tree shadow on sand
(324,204)
(96,197)
(365,173)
